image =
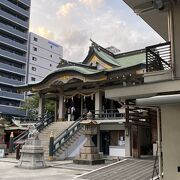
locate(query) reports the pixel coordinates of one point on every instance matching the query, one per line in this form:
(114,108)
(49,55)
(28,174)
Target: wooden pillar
(136,141)
(81,106)
(41,105)
(56,110)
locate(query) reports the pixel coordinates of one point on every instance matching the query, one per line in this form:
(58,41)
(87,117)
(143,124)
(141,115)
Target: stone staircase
(57,128)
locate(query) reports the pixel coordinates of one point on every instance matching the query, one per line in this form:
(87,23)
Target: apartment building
(14,29)
(44,56)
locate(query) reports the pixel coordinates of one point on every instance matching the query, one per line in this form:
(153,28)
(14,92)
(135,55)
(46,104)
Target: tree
(31,105)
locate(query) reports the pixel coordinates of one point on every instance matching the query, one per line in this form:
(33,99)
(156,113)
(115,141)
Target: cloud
(73,24)
(92,3)
(65,9)
(44,32)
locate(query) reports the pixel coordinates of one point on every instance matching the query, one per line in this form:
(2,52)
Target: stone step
(57,128)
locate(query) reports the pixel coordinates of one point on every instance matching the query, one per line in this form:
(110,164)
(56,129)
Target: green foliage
(31,105)
(49,106)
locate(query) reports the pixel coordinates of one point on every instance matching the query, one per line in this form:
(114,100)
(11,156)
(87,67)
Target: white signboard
(2,153)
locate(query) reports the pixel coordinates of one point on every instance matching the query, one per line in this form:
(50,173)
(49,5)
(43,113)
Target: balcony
(5,80)
(13,31)
(5,109)
(158,63)
(26,2)
(12,43)
(12,56)
(13,69)
(108,116)
(11,95)
(15,8)
(14,19)
(158,57)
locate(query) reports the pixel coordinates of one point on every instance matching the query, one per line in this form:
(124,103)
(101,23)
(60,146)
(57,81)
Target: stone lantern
(89,153)
(32,153)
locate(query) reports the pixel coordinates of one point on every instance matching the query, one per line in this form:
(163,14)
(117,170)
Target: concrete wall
(176,18)
(170,115)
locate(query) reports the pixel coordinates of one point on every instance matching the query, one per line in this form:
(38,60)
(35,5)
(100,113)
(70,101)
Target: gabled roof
(91,73)
(116,60)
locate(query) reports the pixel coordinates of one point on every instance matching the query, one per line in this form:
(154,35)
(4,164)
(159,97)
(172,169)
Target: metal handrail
(107,114)
(67,134)
(41,124)
(158,57)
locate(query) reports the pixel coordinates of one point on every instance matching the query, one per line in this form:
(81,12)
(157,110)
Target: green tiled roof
(82,70)
(104,56)
(132,60)
(122,61)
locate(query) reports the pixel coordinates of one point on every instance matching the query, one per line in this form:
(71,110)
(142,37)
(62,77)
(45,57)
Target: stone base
(32,155)
(89,162)
(31,161)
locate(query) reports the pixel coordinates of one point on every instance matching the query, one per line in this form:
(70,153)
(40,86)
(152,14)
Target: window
(34,58)
(36,39)
(51,55)
(33,68)
(51,47)
(33,79)
(35,48)
(50,65)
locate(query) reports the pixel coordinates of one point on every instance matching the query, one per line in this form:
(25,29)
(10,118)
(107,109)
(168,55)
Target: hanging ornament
(92,97)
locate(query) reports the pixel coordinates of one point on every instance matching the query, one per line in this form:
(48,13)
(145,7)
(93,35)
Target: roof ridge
(102,48)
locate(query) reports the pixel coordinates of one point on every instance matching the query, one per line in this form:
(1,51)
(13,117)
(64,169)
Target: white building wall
(44,56)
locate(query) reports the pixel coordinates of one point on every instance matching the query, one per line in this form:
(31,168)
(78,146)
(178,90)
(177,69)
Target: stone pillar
(98,102)
(61,107)
(41,105)
(127,141)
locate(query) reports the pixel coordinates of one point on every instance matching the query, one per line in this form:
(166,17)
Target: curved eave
(85,72)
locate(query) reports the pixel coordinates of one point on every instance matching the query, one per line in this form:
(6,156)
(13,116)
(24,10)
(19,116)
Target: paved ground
(65,170)
(130,169)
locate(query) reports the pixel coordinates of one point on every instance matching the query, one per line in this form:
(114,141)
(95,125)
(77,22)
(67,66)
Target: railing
(107,114)
(158,57)
(41,124)
(67,134)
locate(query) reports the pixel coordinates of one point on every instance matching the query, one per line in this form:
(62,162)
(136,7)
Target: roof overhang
(156,19)
(145,90)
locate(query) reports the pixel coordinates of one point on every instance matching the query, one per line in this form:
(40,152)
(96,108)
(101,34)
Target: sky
(72,23)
